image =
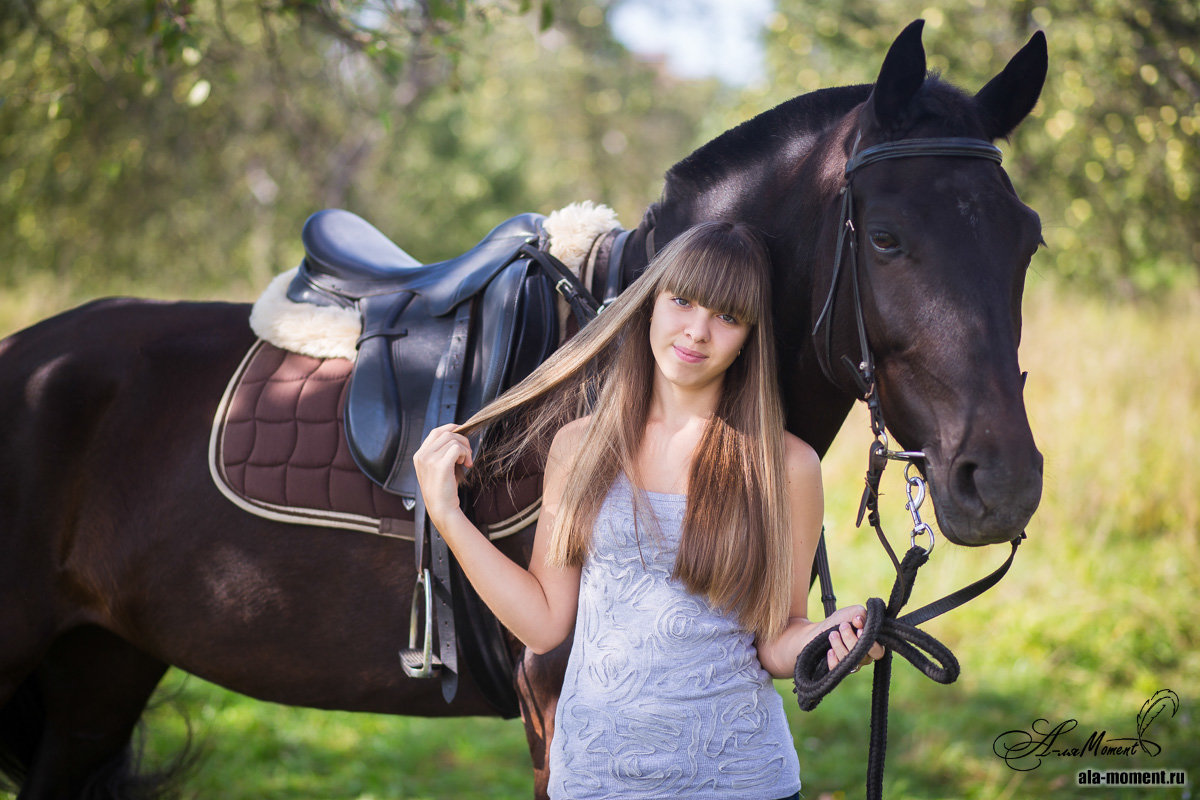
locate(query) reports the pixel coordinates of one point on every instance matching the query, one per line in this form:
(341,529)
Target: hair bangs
(720,281)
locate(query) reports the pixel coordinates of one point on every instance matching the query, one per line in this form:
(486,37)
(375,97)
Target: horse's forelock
(941,109)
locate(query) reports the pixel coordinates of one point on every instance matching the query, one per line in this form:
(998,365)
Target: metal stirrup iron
(420,661)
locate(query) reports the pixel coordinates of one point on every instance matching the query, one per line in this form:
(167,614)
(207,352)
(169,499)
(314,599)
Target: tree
(150,143)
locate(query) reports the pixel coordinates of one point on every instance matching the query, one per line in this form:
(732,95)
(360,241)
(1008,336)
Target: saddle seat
(348,259)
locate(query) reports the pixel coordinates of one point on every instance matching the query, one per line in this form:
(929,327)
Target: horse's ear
(900,77)
(1011,95)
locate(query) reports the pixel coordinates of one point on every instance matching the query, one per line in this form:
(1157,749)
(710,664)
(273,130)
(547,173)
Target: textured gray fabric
(663,696)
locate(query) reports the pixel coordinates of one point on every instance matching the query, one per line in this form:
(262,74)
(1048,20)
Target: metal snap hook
(922,529)
(916,496)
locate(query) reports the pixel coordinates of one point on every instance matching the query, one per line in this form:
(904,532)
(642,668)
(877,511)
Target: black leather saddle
(439,341)
(494,304)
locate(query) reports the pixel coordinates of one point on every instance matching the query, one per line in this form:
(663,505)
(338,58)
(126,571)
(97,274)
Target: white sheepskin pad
(316,331)
(573,229)
(328,332)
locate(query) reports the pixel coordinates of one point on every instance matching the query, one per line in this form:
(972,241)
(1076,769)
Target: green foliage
(182,146)
(1111,156)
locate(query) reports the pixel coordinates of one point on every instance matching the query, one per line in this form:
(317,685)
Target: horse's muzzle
(985,501)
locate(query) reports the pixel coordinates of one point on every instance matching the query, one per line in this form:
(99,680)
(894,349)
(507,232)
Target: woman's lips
(690,356)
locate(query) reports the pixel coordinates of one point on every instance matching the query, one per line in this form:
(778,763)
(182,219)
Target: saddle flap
(513,328)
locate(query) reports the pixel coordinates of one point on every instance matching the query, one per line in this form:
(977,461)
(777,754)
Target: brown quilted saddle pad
(278,450)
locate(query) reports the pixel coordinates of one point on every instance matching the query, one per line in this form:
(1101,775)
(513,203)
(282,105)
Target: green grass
(1097,614)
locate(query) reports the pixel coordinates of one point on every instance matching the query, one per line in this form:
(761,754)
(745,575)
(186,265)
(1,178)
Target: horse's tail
(22,724)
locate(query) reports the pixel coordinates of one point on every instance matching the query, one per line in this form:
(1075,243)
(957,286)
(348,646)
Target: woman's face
(693,345)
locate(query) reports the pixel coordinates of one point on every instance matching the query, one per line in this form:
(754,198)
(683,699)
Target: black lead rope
(899,634)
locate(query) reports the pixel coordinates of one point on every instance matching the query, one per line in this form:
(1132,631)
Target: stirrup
(421,663)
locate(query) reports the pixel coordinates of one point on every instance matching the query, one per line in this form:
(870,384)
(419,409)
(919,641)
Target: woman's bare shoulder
(568,438)
(799,457)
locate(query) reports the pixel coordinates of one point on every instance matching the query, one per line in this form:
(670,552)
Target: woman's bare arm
(537,605)
(807,506)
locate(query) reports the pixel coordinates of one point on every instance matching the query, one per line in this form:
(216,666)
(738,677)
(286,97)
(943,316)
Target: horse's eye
(884,241)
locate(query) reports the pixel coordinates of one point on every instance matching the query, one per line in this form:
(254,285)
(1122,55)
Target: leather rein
(899,634)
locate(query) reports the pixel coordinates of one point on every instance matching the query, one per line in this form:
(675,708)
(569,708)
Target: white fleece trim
(573,229)
(330,332)
(316,331)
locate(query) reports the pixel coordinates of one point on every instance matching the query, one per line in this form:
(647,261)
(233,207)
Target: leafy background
(161,148)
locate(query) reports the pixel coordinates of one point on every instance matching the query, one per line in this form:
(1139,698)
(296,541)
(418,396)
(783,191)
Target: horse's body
(118,556)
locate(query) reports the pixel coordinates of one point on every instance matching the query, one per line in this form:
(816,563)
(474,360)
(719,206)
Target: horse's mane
(796,125)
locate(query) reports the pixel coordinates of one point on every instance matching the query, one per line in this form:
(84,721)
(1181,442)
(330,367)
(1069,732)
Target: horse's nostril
(964,484)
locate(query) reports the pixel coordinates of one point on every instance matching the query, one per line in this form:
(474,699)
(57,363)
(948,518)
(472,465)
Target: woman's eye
(680,301)
(884,241)
(729,318)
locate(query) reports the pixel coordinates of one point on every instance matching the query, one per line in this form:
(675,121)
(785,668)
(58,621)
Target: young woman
(676,536)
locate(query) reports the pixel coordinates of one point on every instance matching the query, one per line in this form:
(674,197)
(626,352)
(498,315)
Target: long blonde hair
(736,545)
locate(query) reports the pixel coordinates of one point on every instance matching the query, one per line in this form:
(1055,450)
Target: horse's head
(943,244)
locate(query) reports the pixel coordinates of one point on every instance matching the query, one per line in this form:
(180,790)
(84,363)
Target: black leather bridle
(864,372)
(884,624)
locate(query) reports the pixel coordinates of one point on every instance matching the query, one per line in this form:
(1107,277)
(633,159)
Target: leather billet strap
(612,281)
(582,304)
(430,549)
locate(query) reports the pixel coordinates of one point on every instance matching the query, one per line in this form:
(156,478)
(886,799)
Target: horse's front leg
(539,681)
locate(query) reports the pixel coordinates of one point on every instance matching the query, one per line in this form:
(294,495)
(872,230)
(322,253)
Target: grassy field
(1097,615)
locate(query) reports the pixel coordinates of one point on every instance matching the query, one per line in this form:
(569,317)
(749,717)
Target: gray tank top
(664,696)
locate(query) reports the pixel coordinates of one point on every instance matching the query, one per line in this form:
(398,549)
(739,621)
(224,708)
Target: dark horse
(118,557)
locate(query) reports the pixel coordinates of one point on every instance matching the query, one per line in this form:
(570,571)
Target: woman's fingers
(877,650)
(838,648)
(444,444)
(440,463)
(844,637)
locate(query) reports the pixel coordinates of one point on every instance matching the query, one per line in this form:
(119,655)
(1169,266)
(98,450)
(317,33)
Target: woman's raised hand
(441,462)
